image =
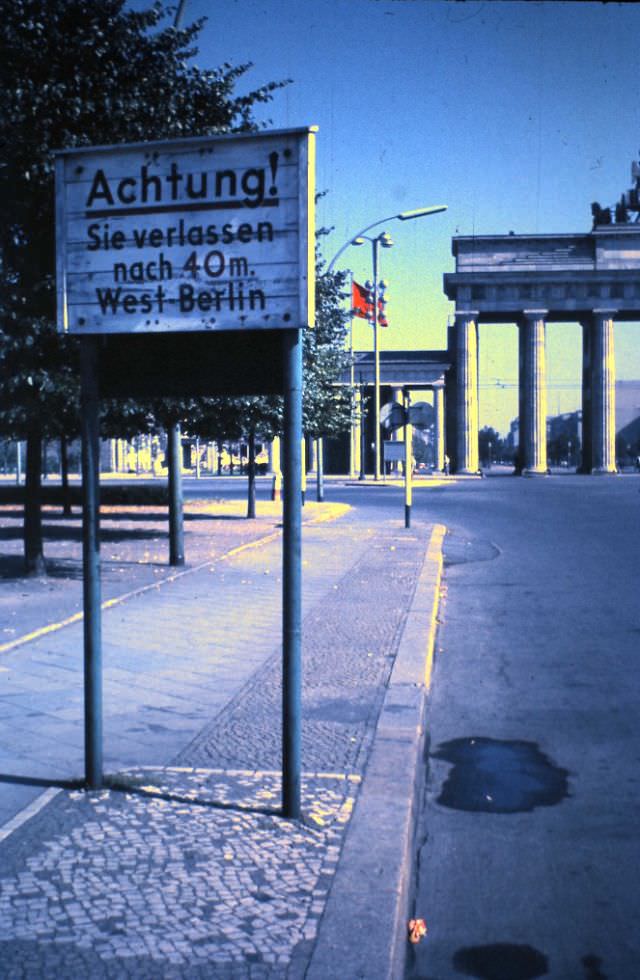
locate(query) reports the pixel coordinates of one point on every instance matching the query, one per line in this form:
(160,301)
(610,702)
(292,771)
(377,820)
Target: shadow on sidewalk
(38,781)
(118,785)
(74,534)
(132,516)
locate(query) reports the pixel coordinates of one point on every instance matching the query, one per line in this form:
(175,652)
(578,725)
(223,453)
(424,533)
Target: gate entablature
(530,280)
(568,275)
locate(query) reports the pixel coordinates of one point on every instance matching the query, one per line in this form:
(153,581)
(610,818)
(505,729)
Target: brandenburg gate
(592,279)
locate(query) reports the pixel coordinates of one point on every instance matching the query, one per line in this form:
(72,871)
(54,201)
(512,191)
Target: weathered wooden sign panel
(214,233)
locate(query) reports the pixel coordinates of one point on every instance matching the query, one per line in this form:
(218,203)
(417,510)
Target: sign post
(174,467)
(195,238)
(91,564)
(292,576)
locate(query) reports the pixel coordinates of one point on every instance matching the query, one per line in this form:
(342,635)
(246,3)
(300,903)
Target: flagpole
(352,384)
(376,364)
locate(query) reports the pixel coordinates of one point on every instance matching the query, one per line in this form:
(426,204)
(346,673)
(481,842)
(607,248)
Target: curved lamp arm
(403,216)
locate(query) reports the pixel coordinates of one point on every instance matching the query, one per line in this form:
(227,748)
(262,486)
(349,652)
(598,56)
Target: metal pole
(176,524)
(320,469)
(292,575)
(408,460)
(376,362)
(179,12)
(91,564)
(363,431)
(18,461)
(352,387)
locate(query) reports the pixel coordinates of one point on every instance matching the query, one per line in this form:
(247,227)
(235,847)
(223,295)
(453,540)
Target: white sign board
(393,450)
(214,233)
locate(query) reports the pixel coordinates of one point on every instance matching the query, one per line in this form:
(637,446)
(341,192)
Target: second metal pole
(176,522)
(91,564)
(292,576)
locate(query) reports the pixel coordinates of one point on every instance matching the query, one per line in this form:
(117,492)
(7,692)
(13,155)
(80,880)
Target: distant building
(627,421)
(564,432)
(564,438)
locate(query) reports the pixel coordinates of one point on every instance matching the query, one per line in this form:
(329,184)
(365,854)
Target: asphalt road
(528,857)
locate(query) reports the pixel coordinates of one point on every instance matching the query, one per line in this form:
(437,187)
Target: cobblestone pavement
(181,872)
(349,642)
(183,867)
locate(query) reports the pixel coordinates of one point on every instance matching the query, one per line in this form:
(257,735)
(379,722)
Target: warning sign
(206,234)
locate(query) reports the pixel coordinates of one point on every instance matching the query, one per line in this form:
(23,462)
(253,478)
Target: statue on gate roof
(628,205)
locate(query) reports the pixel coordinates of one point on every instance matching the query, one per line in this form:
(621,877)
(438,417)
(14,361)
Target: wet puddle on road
(491,776)
(501,961)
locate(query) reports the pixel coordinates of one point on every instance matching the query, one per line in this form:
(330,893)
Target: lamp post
(385,240)
(401,216)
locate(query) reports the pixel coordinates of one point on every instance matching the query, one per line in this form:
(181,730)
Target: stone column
(467,456)
(587,435)
(438,429)
(522,407)
(397,435)
(397,396)
(451,399)
(603,393)
(533,393)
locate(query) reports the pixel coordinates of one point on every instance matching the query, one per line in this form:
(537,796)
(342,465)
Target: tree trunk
(64,472)
(33,546)
(320,469)
(251,503)
(176,524)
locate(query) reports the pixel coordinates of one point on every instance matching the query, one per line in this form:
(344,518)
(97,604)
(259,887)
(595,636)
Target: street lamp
(385,240)
(402,216)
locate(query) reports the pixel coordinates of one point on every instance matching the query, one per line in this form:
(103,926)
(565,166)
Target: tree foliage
(92,72)
(77,73)
(491,445)
(326,405)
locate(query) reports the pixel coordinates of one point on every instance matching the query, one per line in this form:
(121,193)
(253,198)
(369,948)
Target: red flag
(362,304)
(361,301)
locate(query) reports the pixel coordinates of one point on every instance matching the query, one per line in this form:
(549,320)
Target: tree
(79,73)
(490,445)
(326,406)
(247,416)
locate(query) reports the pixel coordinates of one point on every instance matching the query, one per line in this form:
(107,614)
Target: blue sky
(515,115)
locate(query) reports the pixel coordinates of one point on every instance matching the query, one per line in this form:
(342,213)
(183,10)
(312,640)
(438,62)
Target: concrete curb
(363,932)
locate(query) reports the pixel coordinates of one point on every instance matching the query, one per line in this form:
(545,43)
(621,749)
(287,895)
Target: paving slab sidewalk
(134,553)
(183,867)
